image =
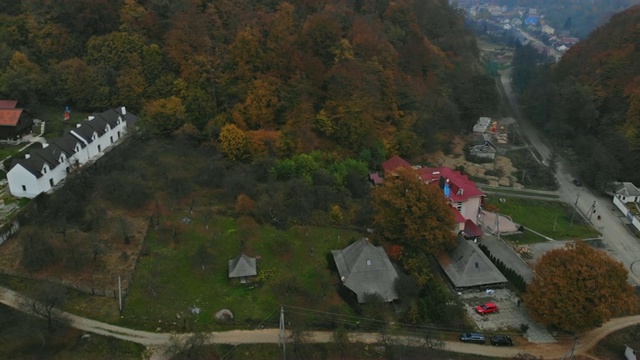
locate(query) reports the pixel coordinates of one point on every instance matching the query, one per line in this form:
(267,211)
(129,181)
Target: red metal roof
(10,117)
(460,186)
(472,229)
(394,163)
(459,217)
(375,177)
(8,104)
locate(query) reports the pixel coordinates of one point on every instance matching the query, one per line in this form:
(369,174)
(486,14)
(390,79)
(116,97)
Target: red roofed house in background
(14,122)
(393,163)
(464,197)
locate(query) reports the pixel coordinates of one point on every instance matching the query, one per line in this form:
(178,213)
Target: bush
(514,278)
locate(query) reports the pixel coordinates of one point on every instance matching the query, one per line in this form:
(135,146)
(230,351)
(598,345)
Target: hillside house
(463,195)
(43,169)
(366,269)
(14,122)
(468,267)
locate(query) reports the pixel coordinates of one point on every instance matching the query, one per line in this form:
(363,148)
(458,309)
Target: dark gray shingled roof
(366,269)
(67,143)
(241,266)
(468,266)
(99,124)
(85,131)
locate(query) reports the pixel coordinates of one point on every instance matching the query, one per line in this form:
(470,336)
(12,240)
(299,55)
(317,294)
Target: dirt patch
(87,261)
(498,173)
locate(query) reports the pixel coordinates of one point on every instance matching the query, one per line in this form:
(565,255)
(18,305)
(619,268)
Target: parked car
(487,308)
(475,338)
(501,340)
(577,182)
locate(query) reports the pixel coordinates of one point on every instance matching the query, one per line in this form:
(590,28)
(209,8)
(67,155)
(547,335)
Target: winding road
(619,242)
(158,342)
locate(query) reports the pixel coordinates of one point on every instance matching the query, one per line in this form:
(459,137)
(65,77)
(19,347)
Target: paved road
(618,241)
(503,252)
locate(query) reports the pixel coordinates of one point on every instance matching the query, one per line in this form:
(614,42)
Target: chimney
(26,156)
(123,110)
(90,117)
(78,125)
(45,145)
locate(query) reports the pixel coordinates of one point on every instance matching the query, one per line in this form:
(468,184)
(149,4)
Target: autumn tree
(233,142)
(163,116)
(577,288)
(412,214)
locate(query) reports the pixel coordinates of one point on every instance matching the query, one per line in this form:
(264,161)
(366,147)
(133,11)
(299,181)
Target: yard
(552,219)
(181,283)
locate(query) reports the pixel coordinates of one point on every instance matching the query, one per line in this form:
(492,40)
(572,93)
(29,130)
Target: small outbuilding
(242,268)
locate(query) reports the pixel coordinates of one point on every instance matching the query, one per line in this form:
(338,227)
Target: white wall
(470,209)
(19,176)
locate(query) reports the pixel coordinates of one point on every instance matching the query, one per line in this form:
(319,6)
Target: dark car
(473,338)
(501,340)
(577,182)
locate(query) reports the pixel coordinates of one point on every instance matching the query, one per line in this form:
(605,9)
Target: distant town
(524,25)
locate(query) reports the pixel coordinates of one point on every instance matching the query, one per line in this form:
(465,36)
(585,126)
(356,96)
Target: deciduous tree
(410,213)
(577,288)
(233,142)
(163,116)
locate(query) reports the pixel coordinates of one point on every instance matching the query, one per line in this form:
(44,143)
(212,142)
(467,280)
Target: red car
(487,308)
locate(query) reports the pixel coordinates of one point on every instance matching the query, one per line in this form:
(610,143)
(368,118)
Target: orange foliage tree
(577,288)
(412,214)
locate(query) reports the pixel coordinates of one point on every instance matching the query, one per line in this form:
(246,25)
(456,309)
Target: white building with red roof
(463,195)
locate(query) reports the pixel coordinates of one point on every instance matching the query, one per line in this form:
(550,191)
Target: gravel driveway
(508,319)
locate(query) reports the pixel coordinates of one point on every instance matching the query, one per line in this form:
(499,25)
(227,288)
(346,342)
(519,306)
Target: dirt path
(157,342)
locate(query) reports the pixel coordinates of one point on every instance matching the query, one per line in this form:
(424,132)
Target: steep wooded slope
(264,76)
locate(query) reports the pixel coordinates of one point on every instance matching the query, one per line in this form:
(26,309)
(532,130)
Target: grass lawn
(550,218)
(191,270)
(55,123)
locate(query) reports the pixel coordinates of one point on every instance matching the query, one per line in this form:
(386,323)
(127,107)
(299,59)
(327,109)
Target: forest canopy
(354,76)
(590,101)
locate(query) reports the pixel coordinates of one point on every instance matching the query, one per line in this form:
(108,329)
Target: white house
(627,192)
(43,169)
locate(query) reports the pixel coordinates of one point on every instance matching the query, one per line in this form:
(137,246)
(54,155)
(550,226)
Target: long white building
(43,169)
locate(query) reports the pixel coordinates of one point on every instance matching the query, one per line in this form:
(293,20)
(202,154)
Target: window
(77,148)
(111,137)
(51,182)
(118,134)
(459,206)
(99,148)
(44,169)
(24,188)
(368,262)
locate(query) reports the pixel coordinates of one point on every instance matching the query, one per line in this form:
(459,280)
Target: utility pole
(120,294)
(575,208)
(282,337)
(592,209)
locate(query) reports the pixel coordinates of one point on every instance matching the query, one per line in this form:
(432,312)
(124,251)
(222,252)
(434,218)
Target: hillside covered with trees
(360,77)
(590,100)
